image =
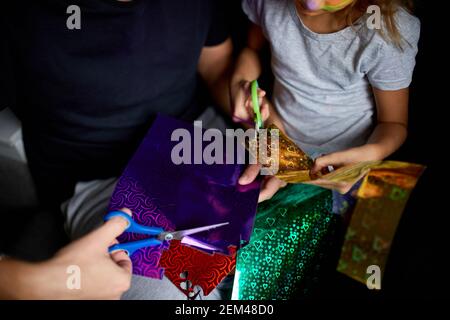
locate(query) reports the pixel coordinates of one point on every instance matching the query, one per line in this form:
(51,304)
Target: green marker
(256,107)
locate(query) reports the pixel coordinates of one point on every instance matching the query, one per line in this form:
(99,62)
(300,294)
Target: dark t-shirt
(87,97)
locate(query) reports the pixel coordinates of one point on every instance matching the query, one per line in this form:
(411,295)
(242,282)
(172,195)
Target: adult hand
(102,275)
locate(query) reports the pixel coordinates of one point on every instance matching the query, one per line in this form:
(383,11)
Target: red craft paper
(204,270)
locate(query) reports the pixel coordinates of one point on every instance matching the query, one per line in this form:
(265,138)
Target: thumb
(265,112)
(331,159)
(110,230)
(249,174)
(245,85)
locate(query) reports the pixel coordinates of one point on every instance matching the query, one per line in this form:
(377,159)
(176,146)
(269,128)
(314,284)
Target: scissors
(256,106)
(158,235)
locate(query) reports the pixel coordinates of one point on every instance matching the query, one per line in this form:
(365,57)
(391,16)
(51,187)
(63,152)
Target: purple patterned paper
(171,196)
(129,194)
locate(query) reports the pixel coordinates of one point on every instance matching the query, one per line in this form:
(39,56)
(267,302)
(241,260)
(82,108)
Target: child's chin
(311,13)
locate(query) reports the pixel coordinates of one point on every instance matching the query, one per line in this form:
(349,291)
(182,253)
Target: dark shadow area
(32,234)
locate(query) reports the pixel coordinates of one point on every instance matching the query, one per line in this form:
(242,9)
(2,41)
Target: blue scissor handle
(134,227)
(131,247)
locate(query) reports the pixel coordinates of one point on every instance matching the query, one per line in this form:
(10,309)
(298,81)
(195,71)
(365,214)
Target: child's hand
(269,186)
(242,106)
(342,158)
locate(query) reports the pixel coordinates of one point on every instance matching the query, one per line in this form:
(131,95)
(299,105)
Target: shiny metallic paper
(381,200)
(161,193)
(285,249)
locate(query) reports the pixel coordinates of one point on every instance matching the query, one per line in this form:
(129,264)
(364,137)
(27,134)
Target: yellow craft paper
(381,201)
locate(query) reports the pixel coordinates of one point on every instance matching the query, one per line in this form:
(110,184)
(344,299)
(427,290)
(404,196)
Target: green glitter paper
(285,247)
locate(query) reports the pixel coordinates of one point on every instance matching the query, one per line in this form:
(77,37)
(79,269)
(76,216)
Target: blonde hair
(388,10)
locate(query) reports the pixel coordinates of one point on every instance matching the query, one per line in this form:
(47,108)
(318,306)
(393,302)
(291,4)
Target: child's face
(314,7)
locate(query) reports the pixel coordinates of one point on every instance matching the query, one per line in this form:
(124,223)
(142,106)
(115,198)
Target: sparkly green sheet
(285,248)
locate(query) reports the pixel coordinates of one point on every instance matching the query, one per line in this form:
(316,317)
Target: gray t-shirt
(323,82)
